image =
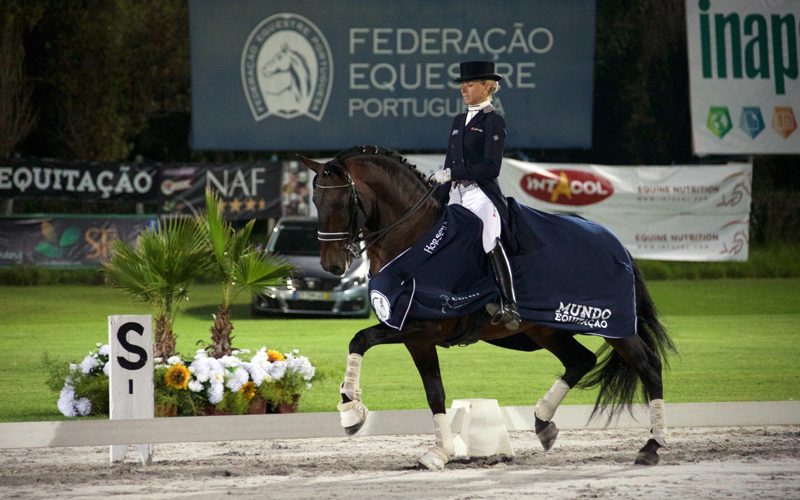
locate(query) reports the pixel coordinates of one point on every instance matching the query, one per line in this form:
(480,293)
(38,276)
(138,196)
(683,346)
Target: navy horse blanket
(574,274)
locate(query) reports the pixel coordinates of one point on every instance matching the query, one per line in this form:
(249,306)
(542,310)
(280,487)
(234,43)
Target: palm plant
(158,270)
(238,266)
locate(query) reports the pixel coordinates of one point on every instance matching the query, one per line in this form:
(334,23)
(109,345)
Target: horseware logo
(287,68)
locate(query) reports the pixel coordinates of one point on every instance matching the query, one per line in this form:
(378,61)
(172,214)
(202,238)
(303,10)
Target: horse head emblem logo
(287,68)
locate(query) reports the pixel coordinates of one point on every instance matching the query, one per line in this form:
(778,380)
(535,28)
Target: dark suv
(311,289)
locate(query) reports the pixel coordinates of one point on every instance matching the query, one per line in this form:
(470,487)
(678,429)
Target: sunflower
(275,356)
(177,376)
(249,390)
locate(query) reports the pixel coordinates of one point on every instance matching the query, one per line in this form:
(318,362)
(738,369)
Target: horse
(287,71)
(372,198)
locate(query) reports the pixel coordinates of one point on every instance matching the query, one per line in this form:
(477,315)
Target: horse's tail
(617,379)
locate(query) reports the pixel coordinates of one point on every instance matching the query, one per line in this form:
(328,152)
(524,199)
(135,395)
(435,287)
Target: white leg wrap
(546,407)
(350,387)
(352,413)
(444,435)
(658,422)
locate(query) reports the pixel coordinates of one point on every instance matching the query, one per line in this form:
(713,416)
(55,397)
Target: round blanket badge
(380,304)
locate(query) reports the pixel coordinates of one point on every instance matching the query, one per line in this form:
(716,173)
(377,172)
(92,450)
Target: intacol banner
(689,213)
(324,76)
(743,71)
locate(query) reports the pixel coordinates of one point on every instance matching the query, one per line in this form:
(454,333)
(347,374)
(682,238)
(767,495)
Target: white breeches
(473,199)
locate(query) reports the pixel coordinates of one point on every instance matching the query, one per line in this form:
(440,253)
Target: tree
(17,116)
(158,270)
(238,266)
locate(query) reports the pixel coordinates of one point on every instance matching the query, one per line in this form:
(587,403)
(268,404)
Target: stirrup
(506,315)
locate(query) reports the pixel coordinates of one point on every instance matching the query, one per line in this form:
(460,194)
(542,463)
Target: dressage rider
(470,172)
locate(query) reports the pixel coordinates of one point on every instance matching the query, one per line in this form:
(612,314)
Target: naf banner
(324,76)
(247,191)
(744,58)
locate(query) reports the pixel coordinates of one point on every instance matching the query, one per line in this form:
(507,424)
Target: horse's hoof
(648,455)
(352,416)
(646,458)
(548,435)
(434,459)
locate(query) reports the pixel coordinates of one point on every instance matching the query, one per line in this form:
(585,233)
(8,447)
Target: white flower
(107,369)
(66,401)
(83,406)
(174,360)
(236,379)
(230,361)
(215,393)
(276,370)
(195,386)
(105,350)
(88,364)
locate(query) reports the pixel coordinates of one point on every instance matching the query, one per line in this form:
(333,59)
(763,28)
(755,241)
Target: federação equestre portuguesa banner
(743,72)
(321,76)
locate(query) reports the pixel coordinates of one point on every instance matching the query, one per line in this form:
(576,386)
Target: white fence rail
(312,425)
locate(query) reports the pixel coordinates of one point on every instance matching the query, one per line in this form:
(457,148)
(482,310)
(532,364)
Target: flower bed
(236,384)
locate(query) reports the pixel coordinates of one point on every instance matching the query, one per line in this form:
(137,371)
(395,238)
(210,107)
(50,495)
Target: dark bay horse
(373,195)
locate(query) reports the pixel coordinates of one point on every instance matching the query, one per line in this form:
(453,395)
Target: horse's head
(340,214)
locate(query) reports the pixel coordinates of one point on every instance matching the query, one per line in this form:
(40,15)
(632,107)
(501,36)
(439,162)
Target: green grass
(737,340)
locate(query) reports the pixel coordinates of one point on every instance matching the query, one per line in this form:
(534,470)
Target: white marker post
(131,378)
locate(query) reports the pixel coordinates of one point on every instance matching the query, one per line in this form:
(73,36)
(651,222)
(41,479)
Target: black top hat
(477,70)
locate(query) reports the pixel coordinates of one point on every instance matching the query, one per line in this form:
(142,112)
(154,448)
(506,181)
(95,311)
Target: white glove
(442,176)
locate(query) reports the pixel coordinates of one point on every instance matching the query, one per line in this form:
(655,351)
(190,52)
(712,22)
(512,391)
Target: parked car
(311,290)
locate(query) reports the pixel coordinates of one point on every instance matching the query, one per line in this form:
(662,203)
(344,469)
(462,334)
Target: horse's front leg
(426,360)
(352,410)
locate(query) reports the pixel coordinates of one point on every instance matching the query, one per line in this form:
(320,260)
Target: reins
(353,235)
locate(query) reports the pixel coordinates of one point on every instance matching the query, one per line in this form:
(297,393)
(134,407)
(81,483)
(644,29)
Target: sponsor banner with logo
(81,180)
(682,212)
(314,75)
(65,241)
(247,191)
(743,71)
(686,237)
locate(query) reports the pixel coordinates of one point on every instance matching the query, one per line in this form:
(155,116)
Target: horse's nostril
(337,270)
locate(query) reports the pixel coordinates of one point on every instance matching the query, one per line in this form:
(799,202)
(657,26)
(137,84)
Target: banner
(743,73)
(683,212)
(248,191)
(678,212)
(65,241)
(80,180)
(315,75)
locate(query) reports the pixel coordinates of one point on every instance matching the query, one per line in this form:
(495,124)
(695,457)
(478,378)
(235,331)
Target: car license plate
(312,295)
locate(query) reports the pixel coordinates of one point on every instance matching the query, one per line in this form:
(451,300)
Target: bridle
(357,216)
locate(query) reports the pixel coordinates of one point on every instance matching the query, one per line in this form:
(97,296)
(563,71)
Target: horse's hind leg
(352,411)
(577,361)
(648,366)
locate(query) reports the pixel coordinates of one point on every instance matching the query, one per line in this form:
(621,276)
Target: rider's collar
(479,106)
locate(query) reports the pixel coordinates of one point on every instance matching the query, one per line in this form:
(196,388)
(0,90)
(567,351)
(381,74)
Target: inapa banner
(743,72)
(316,75)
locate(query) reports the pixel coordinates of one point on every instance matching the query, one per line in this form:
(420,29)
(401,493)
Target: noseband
(355,208)
(358,217)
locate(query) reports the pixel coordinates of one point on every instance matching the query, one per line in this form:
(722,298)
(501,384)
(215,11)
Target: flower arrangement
(233,384)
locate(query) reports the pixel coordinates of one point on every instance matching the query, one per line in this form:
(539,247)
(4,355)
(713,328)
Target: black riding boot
(507,312)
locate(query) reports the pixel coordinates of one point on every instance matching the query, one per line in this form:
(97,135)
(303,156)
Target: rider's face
(474,91)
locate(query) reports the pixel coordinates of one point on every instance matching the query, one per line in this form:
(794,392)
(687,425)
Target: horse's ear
(316,167)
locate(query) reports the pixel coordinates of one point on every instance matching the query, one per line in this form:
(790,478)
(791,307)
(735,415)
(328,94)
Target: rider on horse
(469,176)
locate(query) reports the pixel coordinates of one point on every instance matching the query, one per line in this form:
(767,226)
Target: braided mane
(390,154)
